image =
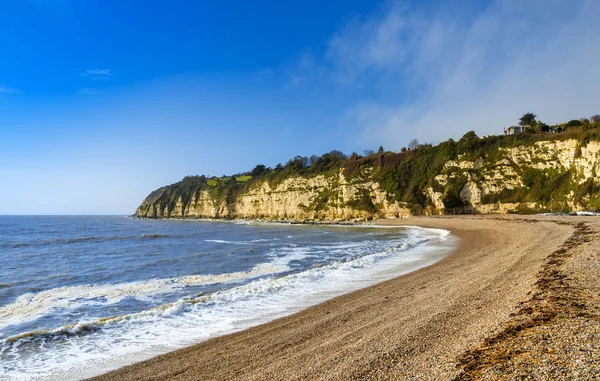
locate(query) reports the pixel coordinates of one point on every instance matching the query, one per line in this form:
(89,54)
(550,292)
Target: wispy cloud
(306,68)
(5,89)
(98,74)
(437,72)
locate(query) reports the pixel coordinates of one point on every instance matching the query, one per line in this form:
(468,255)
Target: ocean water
(83,295)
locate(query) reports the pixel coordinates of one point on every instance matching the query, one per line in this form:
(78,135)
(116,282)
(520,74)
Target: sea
(82,295)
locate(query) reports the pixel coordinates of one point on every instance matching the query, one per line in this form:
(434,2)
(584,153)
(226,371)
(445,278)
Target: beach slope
(474,314)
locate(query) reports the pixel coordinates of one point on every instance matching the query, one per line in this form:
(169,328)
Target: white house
(514,130)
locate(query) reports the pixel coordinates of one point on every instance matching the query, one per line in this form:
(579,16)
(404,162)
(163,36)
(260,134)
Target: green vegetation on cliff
(534,170)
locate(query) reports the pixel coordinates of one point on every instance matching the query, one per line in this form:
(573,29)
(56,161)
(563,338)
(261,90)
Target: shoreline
(254,220)
(413,326)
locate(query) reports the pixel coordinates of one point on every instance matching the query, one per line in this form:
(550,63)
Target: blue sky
(103,101)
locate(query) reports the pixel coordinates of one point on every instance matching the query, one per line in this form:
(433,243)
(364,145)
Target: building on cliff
(514,130)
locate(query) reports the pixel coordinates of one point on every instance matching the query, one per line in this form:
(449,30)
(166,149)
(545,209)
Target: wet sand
(484,312)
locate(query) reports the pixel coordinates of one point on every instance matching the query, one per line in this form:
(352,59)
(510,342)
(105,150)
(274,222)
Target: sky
(103,101)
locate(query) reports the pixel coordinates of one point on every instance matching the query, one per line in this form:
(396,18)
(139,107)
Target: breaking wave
(271,290)
(31,306)
(249,242)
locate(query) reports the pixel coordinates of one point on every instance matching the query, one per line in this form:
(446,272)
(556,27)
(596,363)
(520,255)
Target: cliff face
(567,169)
(547,174)
(296,198)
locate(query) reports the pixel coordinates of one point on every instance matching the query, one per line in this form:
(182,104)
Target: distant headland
(531,167)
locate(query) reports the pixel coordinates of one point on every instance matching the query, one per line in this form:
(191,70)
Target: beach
(516,300)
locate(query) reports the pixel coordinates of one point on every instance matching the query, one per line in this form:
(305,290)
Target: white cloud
(436,73)
(99,74)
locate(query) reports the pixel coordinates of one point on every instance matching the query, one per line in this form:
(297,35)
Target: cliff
(499,174)
(321,197)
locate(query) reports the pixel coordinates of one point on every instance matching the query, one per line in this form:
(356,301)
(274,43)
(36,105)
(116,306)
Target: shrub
(573,123)
(452,197)
(363,202)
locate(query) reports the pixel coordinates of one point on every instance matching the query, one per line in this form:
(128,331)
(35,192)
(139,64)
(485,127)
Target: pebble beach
(518,299)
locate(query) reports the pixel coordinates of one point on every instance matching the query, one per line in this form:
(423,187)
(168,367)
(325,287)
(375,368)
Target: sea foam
(31,306)
(91,347)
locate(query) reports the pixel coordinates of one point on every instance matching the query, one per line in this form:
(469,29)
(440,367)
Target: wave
(109,238)
(113,292)
(31,306)
(249,242)
(81,239)
(102,344)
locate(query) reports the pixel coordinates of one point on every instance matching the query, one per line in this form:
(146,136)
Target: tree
(258,170)
(337,155)
(573,123)
(403,149)
(313,160)
(297,164)
(368,152)
(585,123)
(413,144)
(527,119)
(595,118)
(380,150)
(541,126)
(469,136)
(468,142)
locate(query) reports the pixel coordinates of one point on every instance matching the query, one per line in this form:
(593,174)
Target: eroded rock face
(295,198)
(506,173)
(471,194)
(485,186)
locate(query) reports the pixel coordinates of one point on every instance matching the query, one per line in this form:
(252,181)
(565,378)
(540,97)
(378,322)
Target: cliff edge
(522,173)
